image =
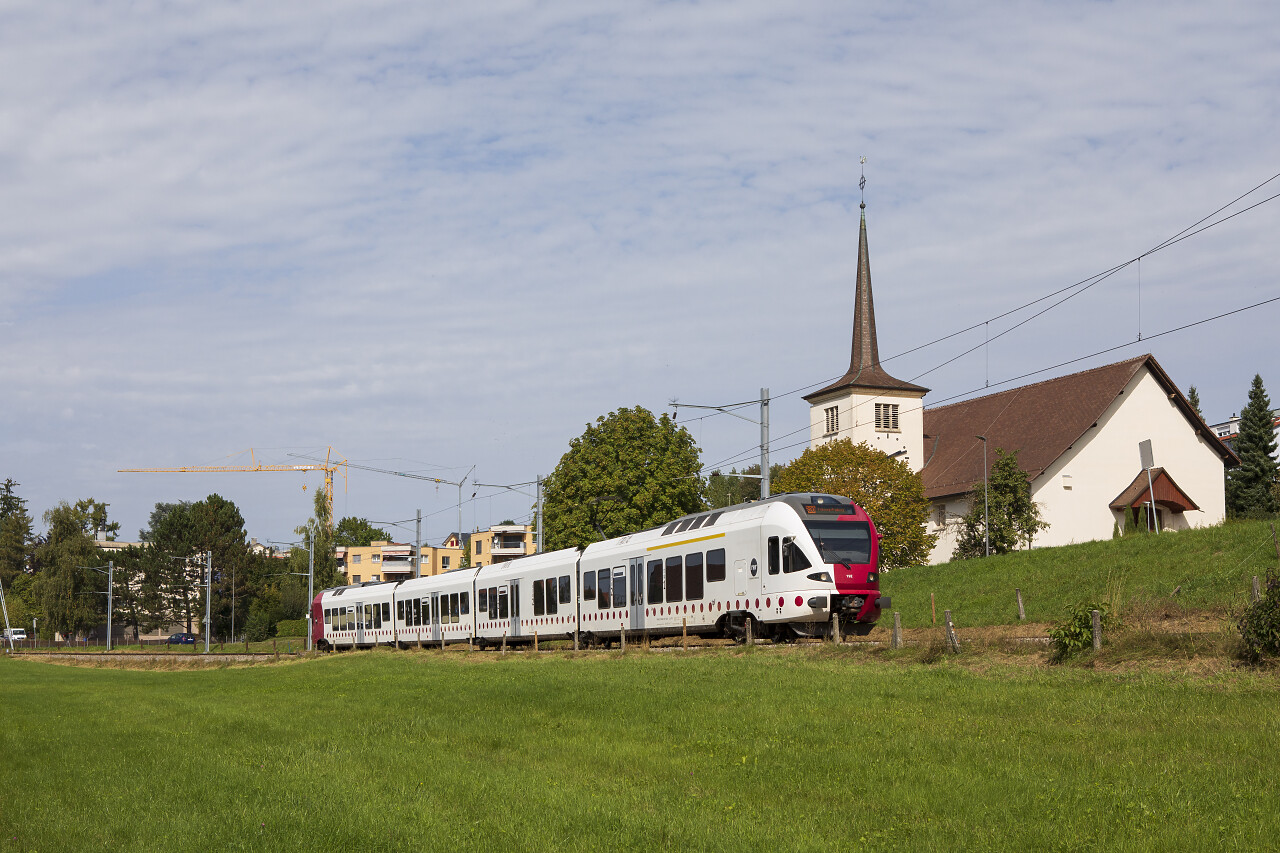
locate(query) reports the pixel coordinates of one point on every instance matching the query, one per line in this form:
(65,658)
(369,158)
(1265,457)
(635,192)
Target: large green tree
(67,586)
(886,488)
(629,471)
(15,534)
(357,532)
(1251,485)
(1014,517)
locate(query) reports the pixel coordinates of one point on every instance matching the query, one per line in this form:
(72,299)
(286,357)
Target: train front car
(848,549)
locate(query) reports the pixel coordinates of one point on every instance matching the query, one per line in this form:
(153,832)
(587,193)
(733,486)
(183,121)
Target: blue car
(181,640)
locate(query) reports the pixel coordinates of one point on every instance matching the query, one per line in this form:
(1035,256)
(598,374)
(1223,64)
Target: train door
(435,617)
(515,608)
(636,569)
(771,573)
(359,623)
(739,577)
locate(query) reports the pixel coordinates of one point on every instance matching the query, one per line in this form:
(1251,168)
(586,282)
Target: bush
(1074,634)
(1260,623)
(291,628)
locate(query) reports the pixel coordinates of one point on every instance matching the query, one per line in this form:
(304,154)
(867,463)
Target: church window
(887,416)
(940,514)
(833,420)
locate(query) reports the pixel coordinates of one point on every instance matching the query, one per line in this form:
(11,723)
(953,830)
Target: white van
(18,635)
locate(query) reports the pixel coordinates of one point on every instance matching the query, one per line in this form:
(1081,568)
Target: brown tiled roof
(864,359)
(1041,421)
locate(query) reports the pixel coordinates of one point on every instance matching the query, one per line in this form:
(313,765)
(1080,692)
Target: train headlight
(872,577)
(820,577)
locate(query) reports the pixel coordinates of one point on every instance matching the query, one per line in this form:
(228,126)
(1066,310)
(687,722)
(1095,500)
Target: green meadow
(810,748)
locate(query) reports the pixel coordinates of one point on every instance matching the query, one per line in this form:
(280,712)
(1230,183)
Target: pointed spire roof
(864,359)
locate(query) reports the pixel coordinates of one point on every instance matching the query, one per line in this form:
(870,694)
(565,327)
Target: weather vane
(862,181)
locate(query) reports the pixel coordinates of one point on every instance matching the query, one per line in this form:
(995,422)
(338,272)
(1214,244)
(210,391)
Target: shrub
(1260,623)
(1074,634)
(291,628)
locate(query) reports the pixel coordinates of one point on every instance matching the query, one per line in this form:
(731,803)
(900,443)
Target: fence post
(575,639)
(895,640)
(1097,630)
(684,634)
(535,641)
(504,642)
(835,629)
(953,642)
(622,637)
(750,640)
(1022,613)
(1257,590)
(274,650)
(933,610)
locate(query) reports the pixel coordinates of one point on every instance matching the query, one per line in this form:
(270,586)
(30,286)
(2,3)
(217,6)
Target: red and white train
(781,568)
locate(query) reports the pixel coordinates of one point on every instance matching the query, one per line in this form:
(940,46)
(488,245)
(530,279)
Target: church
(1077,437)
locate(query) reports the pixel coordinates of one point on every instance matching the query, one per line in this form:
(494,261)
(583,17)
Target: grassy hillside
(756,749)
(1211,569)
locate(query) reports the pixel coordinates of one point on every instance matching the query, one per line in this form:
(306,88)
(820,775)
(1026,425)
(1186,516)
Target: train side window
(602,587)
(454,608)
(684,525)
(588,587)
(493,603)
(715,516)
(368,616)
(377,616)
(466,608)
(793,559)
(359,617)
(693,577)
(566,590)
(537,598)
(553,596)
(620,587)
(715,565)
(416,619)
(655,581)
(386,611)
(773,555)
(675,579)
(400,610)
(502,603)
(636,564)
(482,599)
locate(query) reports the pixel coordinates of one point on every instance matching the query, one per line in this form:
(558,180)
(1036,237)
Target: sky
(436,236)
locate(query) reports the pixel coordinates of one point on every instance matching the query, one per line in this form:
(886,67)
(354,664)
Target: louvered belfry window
(887,416)
(833,420)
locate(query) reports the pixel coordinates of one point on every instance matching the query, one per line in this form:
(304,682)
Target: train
(781,568)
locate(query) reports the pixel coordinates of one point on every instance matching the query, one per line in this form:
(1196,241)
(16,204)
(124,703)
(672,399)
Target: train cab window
(655,581)
(619,587)
(453,608)
(464,604)
(588,587)
(775,555)
(538,607)
(553,597)
(566,590)
(502,603)
(603,588)
(675,579)
(386,611)
(715,565)
(482,599)
(793,559)
(693,577)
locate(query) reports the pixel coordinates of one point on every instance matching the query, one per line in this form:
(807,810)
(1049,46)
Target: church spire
(865,352)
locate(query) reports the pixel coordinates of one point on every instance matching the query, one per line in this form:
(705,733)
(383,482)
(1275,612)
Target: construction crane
(328,465)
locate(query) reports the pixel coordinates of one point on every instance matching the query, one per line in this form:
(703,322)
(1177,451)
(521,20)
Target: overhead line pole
(764,432)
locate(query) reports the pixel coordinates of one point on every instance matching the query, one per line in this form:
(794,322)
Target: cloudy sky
(434,236)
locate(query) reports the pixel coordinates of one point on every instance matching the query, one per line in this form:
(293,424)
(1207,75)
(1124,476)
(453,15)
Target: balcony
(508,549)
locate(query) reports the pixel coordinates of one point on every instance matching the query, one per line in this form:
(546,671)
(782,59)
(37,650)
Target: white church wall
(856,420)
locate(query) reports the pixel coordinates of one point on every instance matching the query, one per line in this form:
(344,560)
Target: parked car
(183,639)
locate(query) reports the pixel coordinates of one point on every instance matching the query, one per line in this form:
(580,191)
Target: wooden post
(1257,590)
(246,643)
(274,650)
(750,640)
(684,634)
(1097,630)
(953,642)
(441,638)
(535,641)
(504,643)
(622,637)
(933,610)
(575,639)
(1022,613)
(895,641)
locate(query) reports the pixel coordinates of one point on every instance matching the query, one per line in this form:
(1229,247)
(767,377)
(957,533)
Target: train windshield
(841,541)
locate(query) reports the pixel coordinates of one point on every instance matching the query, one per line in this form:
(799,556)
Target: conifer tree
(1193,397)
(1250,486)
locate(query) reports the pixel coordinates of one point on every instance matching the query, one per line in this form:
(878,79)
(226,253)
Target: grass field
(757,749)
(1210,569)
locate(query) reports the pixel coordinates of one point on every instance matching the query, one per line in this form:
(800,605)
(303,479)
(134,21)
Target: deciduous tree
(628,471)
(1014,517)
(886,488)
(358,532)
(67,587)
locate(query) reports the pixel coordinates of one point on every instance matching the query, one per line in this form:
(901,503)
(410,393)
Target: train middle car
(780,567)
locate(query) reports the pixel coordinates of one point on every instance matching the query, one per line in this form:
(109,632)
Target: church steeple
(864,359)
